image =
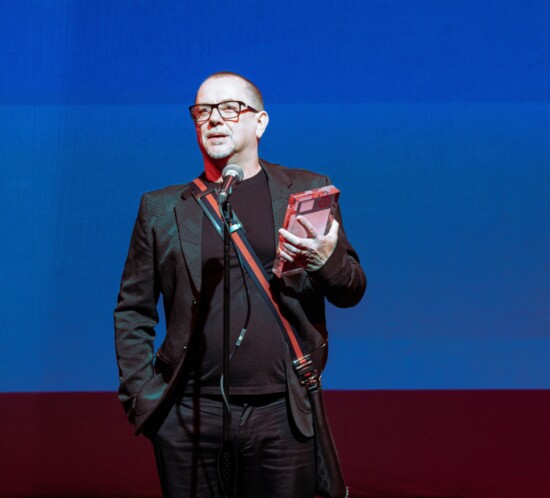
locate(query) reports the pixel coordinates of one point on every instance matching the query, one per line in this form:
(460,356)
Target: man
(174,396)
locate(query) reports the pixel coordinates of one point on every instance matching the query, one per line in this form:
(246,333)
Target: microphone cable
(248,312)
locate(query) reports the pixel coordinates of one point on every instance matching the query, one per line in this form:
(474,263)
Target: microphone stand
(227,461)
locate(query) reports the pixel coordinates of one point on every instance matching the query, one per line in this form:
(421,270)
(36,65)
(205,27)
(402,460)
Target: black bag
(329,480)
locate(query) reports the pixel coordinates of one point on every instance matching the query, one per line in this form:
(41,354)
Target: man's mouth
(216,134)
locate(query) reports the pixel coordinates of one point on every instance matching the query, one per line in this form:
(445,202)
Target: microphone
(232,174)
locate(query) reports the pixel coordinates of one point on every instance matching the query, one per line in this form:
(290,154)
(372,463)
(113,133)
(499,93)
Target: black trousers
(273,459)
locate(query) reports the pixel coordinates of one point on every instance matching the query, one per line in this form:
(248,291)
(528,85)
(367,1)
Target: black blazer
(165,258)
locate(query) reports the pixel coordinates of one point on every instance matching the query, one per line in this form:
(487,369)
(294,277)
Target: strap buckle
(307,373)
(236,225)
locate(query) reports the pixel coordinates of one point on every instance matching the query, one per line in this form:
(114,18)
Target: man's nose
(215,116)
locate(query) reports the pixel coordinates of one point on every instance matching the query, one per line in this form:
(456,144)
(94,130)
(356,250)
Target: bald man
(173,396)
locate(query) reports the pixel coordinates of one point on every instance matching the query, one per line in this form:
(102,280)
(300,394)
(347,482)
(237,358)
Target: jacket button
(194,303)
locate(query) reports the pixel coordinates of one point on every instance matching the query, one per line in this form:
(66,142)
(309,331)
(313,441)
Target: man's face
(223,139)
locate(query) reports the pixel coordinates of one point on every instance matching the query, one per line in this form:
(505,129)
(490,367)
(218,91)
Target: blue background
(432,117)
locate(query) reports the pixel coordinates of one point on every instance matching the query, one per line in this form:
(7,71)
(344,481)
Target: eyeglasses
(228,109)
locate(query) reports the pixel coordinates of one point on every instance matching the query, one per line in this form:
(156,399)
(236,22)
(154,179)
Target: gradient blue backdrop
(432,117)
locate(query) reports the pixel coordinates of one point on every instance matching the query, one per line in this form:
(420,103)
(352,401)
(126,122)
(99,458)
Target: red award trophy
(318,207)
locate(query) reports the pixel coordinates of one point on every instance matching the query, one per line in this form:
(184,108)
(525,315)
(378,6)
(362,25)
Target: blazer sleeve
(135,315)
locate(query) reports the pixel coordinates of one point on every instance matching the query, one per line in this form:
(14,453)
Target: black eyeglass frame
(242,107)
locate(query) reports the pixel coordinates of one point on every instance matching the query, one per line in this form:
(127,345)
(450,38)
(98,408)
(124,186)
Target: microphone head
(234,171)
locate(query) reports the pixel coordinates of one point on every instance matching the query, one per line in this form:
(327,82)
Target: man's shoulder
(295,174)
(159,201)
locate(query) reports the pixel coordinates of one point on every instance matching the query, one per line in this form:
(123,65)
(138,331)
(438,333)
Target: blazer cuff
(334,265)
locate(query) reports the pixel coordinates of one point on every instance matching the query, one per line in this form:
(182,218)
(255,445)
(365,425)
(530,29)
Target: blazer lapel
(189,218)
(279,187)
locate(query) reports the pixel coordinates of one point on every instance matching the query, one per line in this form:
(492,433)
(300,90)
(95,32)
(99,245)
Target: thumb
(333,232)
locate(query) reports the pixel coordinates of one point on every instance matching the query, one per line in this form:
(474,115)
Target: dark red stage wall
(467,444)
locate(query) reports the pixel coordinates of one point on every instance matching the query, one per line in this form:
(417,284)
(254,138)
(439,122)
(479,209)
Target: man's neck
(214,170)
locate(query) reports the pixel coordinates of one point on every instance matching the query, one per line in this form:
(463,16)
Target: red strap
(251,260)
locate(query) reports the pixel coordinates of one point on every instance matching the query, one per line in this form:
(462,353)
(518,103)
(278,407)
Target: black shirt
(258,365)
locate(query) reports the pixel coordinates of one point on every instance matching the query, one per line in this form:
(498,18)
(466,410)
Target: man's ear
(263,120)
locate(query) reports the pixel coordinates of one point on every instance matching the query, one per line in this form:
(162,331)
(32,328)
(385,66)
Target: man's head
(255,98)
(225,140)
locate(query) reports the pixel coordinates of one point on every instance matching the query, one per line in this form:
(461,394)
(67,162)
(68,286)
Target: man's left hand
(311,252)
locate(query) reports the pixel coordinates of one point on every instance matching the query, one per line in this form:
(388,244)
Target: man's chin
(219,154)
